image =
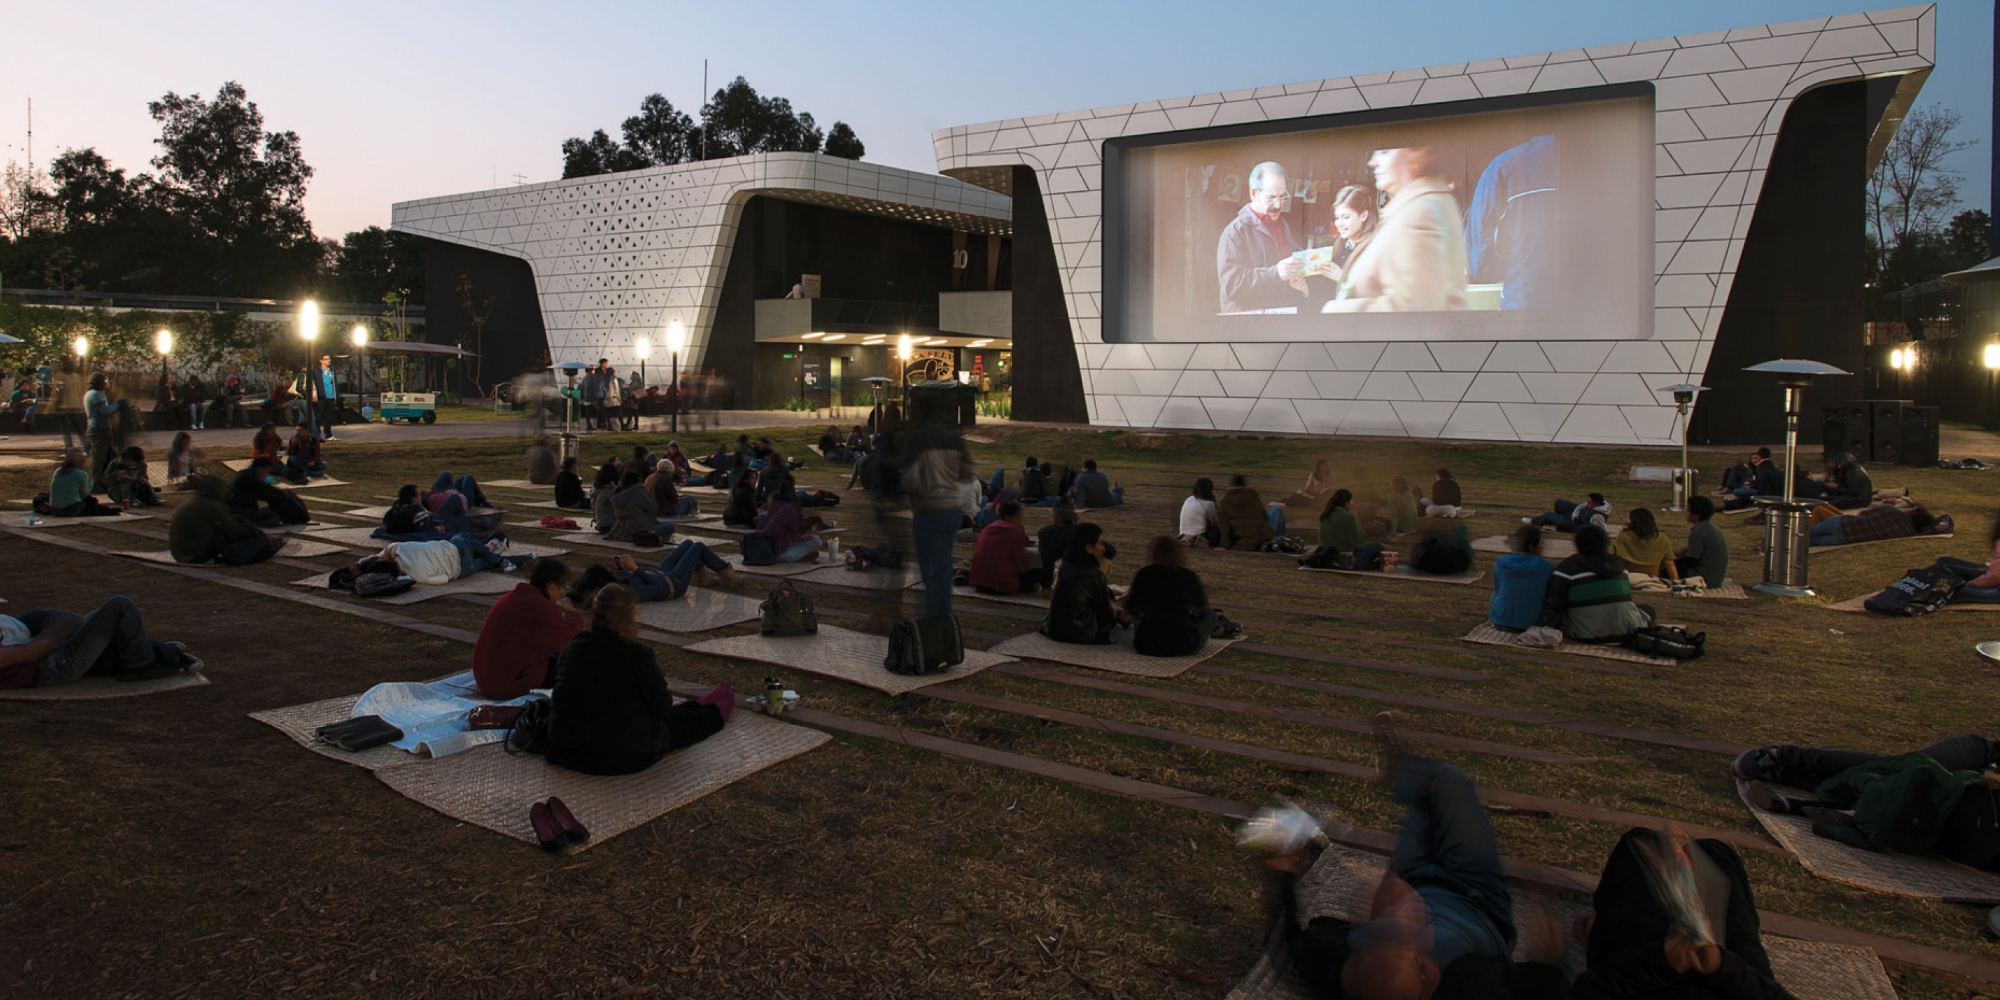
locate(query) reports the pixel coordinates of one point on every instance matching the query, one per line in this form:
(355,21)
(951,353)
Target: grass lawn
(170,845)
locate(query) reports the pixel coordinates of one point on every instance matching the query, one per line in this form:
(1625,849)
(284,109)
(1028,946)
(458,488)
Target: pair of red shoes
(555,826)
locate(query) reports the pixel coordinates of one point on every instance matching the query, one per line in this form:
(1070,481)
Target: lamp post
(163,342)
(676,339)
(1786,540)
(903,344)
(1684,394)
(641,347)
(360,336)
(308,332)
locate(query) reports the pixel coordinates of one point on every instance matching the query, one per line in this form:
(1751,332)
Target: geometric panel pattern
(1719,100)
(618,256)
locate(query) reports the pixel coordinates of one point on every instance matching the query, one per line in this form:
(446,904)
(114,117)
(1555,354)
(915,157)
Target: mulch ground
(171,846)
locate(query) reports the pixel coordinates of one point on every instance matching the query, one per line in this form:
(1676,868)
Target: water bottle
(774,695)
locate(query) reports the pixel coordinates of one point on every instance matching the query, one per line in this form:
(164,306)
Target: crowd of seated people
(205,530)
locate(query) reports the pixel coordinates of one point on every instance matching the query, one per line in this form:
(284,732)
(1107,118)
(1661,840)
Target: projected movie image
(1535,222)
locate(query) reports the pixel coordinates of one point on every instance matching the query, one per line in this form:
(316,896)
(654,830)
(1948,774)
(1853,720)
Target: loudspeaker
(1920,436)
(1858,413)
(1885,449)
(1886,416)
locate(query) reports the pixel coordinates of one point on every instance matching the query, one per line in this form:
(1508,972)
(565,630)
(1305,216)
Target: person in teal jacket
(1520,582)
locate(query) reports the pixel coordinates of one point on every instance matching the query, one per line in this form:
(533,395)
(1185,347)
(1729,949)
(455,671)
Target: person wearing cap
(1569,515)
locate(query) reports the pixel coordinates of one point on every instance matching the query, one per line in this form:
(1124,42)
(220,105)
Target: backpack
(918,647)
(647,539)
(788,612)
(758,549)
(1327,557)
(827,498)
(530,731)
(381,584)
(406,519)
(1919,592)
(1670,641)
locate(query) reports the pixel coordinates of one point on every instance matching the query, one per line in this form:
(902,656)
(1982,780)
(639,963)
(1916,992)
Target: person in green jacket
(1933,800)
(1340,530)
(205,530)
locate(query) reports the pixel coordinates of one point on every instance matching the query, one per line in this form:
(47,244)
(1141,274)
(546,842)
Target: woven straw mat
(1119,657)
(699,610)
(836,575)
(1405,573)
(292,549)
(100,688)
(1856,604)
(485,582)
(1486,634)
(839,653)
(1819,549)
(19,519)
(1899,874)
(486,786)
(299,721)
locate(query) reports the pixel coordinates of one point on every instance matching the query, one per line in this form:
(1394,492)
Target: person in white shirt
(1198,517)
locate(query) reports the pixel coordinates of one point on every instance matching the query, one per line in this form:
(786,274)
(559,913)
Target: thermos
(774,695)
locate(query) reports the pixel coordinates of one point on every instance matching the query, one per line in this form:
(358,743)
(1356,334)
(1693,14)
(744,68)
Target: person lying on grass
(690,564)
(1879,522)
(1934,800)
(442,561)
(48,647)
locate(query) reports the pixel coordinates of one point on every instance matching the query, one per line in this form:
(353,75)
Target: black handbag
(788,612)
(530,731)
(1670,641)
(358,733)
(918,647)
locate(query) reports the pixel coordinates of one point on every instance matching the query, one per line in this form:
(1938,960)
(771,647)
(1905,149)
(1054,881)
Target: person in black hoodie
(569,487)
(741,511)
(254,494)
(1169,607)
(610,712)
(1081,611)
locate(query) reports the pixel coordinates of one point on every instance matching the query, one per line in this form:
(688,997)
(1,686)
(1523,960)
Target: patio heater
(1684,485)
(570,370)
(1786,541)
(676,341)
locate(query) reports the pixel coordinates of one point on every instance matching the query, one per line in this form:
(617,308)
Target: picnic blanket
(1405,573)
(432,716)
(699,610)
(485,582)
(1488,634)
(1899,874)
(855,657)
(1118,656)
(296,549)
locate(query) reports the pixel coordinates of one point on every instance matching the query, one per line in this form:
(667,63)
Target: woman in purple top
(787,527)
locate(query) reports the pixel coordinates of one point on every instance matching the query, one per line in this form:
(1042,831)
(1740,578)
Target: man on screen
(1254,257)
(1416,261)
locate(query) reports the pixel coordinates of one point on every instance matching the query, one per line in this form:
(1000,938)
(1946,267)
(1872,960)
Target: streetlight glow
(81,346)
(676,337)
(903,344)
(643,347)
(164,341)
(1993,355)
(309,320)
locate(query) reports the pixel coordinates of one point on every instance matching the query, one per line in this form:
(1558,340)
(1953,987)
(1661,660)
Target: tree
(239,191)
(661,133)
(372,264)
(597,155)
(842,142)
(1969,238)
(1913,190)
(736,121)
(23,202)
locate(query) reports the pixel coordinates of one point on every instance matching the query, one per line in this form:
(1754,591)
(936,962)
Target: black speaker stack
(1881,432)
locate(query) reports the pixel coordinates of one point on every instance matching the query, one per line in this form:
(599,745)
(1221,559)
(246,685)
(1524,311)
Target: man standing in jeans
(43,648)
(320,396)
(934,464)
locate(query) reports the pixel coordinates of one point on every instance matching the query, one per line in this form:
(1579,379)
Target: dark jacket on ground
(203,525)
(1590,599)
(1246,521)
(1909,804)
(611,713)
(1164,600)
(569,491)
(1080,610)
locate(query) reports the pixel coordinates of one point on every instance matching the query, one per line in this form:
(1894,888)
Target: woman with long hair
(1199,520)
(1645,551)
(1170,612)
(1080,610)
(610,712)
(267,444)
(1354,217)
(181,456)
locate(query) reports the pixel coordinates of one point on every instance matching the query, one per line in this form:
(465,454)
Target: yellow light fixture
(360,335)
(81,346)
(1993,355)
(903,345)
(676,337)
(831,337)
(309,320)
(643,348)
(810,336)
(163,341)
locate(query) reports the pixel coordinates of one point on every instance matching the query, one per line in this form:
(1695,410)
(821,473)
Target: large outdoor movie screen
(1521,224)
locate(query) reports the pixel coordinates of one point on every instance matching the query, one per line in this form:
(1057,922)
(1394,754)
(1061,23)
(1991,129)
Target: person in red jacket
(524,633)
(1000,562)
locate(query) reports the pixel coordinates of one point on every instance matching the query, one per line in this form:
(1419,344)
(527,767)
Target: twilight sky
(394,101)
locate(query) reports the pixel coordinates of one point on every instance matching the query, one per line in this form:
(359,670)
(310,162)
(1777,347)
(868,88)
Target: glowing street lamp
(903,350)
(163,342)
(81,346)
(676,341)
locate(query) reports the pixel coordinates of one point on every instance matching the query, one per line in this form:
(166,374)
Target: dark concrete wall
(503,290)
(1798,291)
(1048,383)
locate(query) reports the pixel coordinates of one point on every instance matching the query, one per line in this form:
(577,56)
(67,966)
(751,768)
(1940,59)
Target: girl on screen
(1354,219)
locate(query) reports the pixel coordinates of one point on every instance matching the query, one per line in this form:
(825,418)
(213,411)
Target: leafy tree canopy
(735,120)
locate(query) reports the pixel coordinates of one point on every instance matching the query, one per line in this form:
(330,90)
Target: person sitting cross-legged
(1094,489)
(70,489)
(1080,609)
(1848,485)
(48,647)
(303,457)
(129,480)
(786,524)
(254,493)
(205,530)
(634,511)
(1590,596)
(610,712)
(1000,560)
(1643,548)
(523,634)
(1340,531)
(1520,582)
(1707,552)
(1201,523)
(569,487)
(1247,522)
(1169,607)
